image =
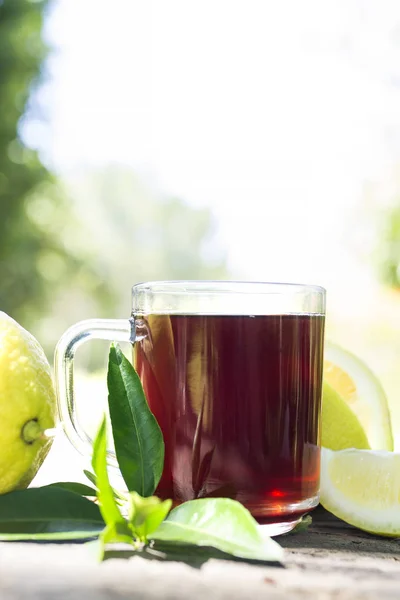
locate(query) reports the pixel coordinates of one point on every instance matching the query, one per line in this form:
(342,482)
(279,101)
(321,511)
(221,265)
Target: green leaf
(48,513)
(108,506)
(147,514)
(91,476)
(56,536)
(120,497)
(77,488)
(302,525)
(138,440)
(113,534)
(221,523)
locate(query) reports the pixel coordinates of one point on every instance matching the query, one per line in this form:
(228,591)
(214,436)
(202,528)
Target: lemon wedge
(362,487)
(358,387)
(341,427)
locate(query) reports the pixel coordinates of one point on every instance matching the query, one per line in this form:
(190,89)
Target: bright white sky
(274,114)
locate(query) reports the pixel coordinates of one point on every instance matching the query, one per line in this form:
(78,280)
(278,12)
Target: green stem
(31,431)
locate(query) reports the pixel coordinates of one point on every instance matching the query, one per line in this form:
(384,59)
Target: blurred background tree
(126,233)
(71,249)
(139,235)
(32,206)
(22,53)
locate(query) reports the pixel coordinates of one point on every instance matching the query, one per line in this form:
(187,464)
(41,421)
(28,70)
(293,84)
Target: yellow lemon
(362,487)
(27,405)
(361,391)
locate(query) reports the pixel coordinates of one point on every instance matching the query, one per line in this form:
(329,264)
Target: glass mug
(233,374)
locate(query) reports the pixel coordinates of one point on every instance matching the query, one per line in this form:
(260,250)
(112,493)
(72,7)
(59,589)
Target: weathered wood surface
(330,560)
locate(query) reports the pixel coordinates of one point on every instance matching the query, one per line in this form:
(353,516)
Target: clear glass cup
(233,373)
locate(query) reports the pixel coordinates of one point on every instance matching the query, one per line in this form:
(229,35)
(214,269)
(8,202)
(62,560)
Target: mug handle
(120,330)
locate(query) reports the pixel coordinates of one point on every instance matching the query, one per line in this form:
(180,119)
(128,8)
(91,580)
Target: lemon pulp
(362,487)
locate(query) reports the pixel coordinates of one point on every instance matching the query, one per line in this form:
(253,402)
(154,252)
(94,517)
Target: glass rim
(180,286)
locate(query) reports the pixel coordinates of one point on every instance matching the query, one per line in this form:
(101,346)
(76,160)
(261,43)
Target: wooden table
(330,560)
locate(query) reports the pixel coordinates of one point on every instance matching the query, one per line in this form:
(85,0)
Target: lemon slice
(340,427)
(350,377)
(362,487)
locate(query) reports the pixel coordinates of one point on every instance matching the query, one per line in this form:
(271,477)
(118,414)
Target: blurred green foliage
(139,235)
(119,232)
(25,241)
(21,55)
(71,249)
(130,233)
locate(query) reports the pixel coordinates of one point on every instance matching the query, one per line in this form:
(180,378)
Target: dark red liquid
(238,401)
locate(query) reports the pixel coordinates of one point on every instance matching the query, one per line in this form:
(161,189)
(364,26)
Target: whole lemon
(27,405)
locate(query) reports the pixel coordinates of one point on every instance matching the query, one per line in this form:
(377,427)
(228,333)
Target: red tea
(238,401)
